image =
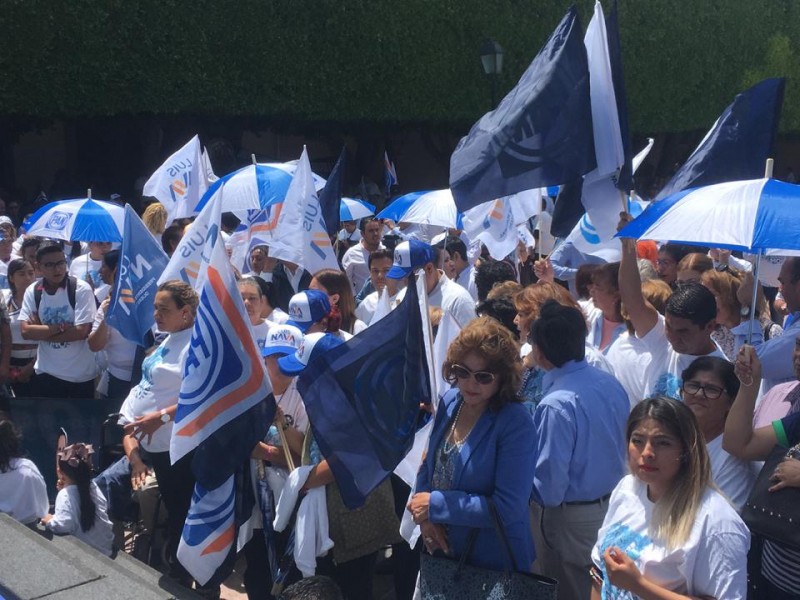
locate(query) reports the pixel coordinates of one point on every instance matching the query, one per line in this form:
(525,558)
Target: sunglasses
(482,377)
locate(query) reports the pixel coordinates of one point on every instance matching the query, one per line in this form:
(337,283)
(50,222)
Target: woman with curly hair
(481,453)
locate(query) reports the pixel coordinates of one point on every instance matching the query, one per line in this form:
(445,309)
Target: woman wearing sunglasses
(708,389)
(481,451)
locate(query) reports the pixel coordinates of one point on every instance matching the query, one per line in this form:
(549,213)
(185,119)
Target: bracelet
(285,426)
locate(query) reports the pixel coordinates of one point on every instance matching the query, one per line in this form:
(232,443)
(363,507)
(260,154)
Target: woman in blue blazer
(482,448)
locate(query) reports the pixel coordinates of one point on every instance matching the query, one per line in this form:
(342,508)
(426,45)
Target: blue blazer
(496,461)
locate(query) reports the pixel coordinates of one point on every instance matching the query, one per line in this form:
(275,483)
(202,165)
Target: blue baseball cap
(313,344)
(408,256)
(307,308)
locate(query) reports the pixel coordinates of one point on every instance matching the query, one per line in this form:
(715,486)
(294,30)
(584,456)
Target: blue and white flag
(300,235)
(194,250)
(541,132)
(180,182)
(738,145)
(363,396)
(391,173)
(142,260)
(225,407)
(223,498)
(224,374)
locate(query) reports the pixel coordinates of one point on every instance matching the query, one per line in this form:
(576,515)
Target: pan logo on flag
(318,243)
(58,221)
(177,188)
(496,214)
(588,231)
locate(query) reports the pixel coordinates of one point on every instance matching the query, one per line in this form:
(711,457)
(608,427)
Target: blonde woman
(668,533)
(155,218)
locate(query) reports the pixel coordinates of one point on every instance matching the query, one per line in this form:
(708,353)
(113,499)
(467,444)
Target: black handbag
(774,515)
(443,578)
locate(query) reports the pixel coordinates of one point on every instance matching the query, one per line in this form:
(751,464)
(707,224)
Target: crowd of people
(612,414)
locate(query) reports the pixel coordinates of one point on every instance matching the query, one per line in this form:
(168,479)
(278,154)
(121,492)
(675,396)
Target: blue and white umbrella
(435,207)
(353,210)
(759,216)
(254,187)
(82,219)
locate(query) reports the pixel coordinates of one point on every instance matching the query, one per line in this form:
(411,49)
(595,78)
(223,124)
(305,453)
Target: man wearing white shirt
(65,366)
(442,292)
(674,340)
(465,272)
(380,263)
(355,261)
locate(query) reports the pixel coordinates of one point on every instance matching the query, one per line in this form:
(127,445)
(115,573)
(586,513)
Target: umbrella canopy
(435,207)
(352,210)
(82,219)
(758,216)
(254,187)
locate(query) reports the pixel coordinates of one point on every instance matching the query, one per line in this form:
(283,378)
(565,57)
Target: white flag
(193,253)
(300,236)
(493,224)
(180,182)
(605,120)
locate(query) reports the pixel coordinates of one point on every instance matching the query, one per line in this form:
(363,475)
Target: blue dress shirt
(580,427)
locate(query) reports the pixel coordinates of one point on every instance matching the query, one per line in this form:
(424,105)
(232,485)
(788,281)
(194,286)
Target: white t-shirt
(630,358)
(356,266)
(466,279)
(120,352)
(23,492)
(664,372)
(162,372)
(734,477)
(592,355)
(70,361)
(453,298)
(67,521)
(16,335)
(86,268)
(278,317)
(712,562)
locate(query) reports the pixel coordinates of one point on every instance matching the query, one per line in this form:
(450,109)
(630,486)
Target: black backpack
(72,286)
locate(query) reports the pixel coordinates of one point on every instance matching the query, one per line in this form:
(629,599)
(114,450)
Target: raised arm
(739,438)
(643,316)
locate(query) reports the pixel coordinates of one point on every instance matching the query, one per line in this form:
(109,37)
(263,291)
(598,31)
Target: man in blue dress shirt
(580,425)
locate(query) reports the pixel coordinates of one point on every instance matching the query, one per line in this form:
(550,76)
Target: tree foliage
(374,61)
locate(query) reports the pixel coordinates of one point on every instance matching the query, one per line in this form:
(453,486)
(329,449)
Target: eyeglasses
(712,392)
(462,372)
(54,265)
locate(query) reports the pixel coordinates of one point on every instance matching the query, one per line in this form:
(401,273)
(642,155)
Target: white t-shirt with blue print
(663,375)
(711,562)
(70,361)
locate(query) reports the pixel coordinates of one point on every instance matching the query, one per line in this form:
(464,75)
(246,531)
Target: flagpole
(753,298)
(285,445)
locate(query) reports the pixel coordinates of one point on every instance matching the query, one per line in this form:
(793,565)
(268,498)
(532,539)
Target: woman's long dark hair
(10,444)
(82,476)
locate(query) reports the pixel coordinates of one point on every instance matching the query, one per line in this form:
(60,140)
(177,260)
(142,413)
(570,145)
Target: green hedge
(356,61)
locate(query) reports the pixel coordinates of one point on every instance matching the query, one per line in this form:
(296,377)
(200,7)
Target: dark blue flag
(568,209)
(362,399)
(330,197)
(539,135)
(142,260)
(739,143)
(625,179)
